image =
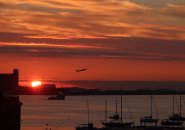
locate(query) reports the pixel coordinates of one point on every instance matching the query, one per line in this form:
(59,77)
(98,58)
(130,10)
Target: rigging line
(180,106)
(88,111)
(151,102)
(177,106)
(129,109)
(183,101)
(105,110)
(116,106)
(182,98)
(154,104)
(121,107)
(173,104)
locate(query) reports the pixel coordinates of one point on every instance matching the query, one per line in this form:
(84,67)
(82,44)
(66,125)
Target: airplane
(79,70)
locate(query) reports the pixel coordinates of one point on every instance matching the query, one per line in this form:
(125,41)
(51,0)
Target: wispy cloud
(77,18)
(103,28)
(175,10)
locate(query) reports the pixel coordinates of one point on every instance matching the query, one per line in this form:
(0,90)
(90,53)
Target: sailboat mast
(173,104)
(88,111)
(116,106)
(121,106)
(151,105)
(180,106)
(105,111)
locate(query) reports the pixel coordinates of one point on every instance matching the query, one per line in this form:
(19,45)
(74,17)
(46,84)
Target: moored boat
(115,122)
(60,96)
(89,125)
(176,120)
(149,119)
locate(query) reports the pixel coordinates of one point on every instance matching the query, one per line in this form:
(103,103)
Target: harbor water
(39,113)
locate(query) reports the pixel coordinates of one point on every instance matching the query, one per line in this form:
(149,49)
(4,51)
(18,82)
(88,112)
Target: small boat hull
(57,98)
(117,124)
(88,126)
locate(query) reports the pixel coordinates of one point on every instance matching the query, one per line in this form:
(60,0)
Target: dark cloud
(109,47)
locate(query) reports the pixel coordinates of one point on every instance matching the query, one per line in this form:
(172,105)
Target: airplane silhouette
(79,70)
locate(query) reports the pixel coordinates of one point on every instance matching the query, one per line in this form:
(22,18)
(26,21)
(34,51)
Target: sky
(113,39)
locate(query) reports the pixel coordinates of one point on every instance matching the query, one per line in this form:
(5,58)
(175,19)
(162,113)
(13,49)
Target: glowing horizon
(114,39)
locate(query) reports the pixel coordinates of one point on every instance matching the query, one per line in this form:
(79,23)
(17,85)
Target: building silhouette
(10,82)
(10,105)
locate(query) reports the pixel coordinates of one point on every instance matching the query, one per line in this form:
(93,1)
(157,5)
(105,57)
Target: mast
(88,111)
(173,104)
(121,106)
(116,106)
(180,106)
(105,111)
(151,105)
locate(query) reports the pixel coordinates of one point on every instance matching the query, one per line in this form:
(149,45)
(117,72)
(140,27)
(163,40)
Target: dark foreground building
(10,112)
(10,105)
(9,82)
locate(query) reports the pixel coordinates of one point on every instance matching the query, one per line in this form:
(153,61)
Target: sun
(35,84)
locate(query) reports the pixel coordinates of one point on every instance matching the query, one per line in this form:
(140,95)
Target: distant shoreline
(75,91)
(116,85)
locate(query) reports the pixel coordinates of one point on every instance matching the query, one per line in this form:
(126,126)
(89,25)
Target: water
(37,111)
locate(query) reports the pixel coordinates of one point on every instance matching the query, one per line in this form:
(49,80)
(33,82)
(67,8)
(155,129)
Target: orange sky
(113,39)
(97,69)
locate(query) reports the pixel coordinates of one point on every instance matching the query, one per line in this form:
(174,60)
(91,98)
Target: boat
(89,125)
(167,122)
(115,121)
(60,96)
(177,117)
(115,116)
(176,120)
(149,119)
(117,124)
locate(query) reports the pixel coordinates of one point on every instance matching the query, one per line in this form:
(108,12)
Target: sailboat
(149,119)
(175,119)
(89,125)
(115,120)
(115,116)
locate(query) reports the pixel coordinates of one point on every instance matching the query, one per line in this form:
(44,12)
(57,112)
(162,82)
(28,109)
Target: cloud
(175,10)
(109,47)
(93,28)
(93,18)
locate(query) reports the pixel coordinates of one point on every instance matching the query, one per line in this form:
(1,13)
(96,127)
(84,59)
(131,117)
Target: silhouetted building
(10,106)
(9,82)
(10,112)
